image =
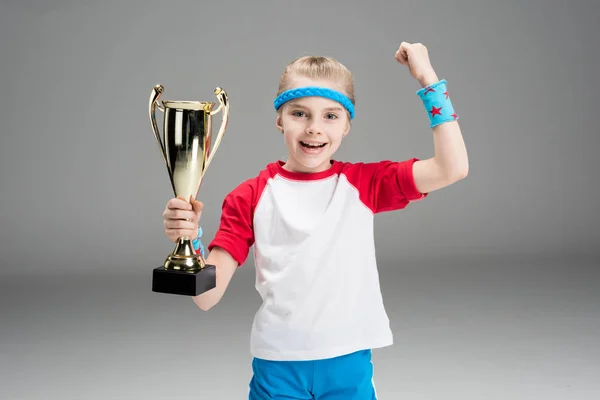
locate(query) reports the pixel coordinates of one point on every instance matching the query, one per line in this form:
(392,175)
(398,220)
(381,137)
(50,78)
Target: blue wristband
(437,103)
(198,244)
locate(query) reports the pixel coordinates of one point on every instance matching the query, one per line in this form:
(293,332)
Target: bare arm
(225,268)
(450,162)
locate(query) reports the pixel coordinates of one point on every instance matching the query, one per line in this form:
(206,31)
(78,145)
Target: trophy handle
(152,105)
(224,104)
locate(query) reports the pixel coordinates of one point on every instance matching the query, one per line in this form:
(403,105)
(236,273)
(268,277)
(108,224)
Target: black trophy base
(182,282)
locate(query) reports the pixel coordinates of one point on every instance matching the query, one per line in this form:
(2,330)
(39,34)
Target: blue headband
(315,91)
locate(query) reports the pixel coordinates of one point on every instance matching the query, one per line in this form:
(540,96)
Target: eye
(298,113)
(331,116)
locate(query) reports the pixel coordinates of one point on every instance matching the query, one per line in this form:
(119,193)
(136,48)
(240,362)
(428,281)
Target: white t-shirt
(313,243)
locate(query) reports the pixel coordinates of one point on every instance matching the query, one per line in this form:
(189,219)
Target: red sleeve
(236,234)
(385,185)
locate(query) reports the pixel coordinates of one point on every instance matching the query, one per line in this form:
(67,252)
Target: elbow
(203,304)
(459,173)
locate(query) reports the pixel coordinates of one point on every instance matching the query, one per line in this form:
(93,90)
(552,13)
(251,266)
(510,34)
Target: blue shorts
(348,377)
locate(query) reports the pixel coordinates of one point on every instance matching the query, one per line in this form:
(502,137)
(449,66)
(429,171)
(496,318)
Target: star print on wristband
(435,111)
(438,111)
(436,100)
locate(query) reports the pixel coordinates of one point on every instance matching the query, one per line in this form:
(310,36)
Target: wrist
(197,243)
(196,238)
(428,78)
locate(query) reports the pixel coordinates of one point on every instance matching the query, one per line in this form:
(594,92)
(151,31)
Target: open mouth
(313,145)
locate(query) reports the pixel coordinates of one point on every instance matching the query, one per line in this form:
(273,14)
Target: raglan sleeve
(388,185)
(236,232)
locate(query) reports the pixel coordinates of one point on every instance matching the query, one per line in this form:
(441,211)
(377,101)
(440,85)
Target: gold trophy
(187,149)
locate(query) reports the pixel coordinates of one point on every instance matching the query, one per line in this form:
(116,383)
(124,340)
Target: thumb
(403,53)
(197,206)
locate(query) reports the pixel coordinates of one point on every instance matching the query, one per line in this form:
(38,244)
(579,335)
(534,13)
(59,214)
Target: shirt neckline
(306,176)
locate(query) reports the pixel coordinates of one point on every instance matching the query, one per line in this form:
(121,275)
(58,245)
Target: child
(322,309)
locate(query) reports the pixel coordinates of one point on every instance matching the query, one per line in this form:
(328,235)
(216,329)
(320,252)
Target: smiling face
(313,128)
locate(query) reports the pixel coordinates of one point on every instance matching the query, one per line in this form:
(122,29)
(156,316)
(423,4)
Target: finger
(181,232)
(405,47)
(177,233)
(402,53)
(401,57)
(197,206)
(178,203)
(180,224)
(180,215)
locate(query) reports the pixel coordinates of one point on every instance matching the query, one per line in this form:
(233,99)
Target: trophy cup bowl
(187,148)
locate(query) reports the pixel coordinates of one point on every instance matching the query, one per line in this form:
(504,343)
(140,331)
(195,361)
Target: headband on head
(315,91)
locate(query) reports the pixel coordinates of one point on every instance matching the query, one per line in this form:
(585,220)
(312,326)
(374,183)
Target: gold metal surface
(187,150)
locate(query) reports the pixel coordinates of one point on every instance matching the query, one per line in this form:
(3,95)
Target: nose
(313,128)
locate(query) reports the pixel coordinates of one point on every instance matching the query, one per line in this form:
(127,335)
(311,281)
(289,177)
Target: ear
(279,123)
(347,130)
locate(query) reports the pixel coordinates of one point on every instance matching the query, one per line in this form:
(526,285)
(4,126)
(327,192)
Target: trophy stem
(184,257)
(184,272)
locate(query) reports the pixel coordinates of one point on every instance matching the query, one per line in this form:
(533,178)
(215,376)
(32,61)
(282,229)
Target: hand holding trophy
(187,150)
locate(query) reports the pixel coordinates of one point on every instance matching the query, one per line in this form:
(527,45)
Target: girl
(322,309)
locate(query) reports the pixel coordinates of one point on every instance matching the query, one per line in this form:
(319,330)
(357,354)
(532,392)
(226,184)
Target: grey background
(491,284)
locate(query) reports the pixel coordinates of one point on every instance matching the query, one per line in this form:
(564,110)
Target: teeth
(312,144)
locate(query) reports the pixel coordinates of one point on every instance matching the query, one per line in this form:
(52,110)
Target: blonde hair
(318,67)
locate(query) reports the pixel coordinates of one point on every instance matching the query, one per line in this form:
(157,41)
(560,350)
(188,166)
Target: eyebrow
(298,105)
